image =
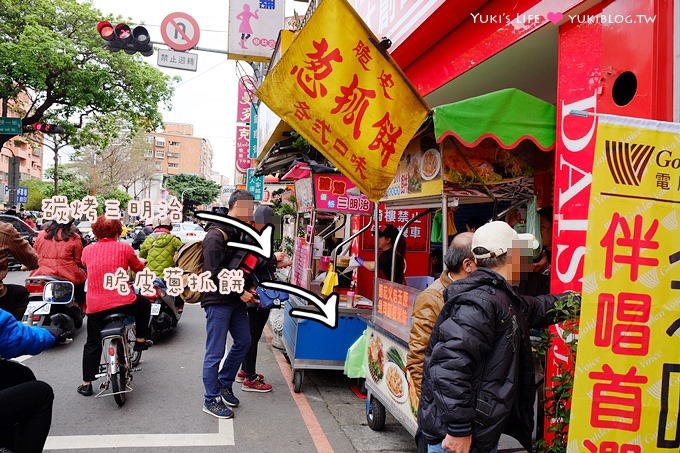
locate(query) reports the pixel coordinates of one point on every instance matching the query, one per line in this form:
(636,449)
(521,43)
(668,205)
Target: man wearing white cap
(478,379)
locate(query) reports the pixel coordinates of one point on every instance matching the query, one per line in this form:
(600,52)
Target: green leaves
(196,190)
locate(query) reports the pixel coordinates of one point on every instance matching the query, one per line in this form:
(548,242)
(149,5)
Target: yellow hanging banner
(626,394)
(351,101)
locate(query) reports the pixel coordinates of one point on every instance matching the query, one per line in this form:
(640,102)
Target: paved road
(164,410)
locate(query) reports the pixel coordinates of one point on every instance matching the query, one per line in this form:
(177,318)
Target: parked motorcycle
(40,312)
(166,310)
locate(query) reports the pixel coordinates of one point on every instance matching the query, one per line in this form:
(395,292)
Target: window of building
(148,152)
(174,143)
(170,165)
(160,154)
(158,165)
(160,141)
(149,139)
(173,155)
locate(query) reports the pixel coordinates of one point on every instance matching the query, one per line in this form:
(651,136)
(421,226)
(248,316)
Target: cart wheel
(298,376)
(375,414)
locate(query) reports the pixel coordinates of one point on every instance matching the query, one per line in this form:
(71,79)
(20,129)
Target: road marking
(22,358)
(223,437)
(312,424)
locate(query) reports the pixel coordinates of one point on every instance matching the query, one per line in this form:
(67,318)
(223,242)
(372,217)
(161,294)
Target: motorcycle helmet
(63,321)
(162,221)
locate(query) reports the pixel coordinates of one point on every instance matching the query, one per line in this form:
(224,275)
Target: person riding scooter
(60,249)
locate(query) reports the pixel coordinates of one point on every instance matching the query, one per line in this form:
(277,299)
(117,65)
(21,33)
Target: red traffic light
(45,128)
(105,30)
(123,32)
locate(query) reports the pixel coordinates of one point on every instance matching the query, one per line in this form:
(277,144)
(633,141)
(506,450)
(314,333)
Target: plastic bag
(356,355)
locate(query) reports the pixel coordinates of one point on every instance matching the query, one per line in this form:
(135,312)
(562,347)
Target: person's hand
(58,333)
(282,260)
(248,297)
(457,444)
(360,261)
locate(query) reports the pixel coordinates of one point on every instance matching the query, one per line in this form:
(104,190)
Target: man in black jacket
(225,313)
(478,379)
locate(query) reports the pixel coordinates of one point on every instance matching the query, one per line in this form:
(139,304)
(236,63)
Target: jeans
(438,449)
(257,319)
(26,413)
(231,317)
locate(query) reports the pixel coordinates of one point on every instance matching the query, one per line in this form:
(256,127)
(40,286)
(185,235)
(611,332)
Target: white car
(188,232)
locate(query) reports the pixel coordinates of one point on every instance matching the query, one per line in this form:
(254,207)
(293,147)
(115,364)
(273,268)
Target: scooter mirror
(59,292)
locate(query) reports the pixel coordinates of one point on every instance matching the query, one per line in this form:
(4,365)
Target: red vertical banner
(246,96)
(578,89)
(242,148)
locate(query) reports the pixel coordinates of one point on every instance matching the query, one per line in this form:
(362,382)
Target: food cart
(310,344)
(484,151)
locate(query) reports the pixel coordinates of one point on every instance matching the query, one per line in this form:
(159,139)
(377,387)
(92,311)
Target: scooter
(166,310)
(40,312)
(55,293)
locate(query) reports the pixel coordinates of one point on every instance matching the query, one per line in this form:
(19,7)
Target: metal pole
(200,49)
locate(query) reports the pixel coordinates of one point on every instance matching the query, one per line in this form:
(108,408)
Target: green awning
(508,116)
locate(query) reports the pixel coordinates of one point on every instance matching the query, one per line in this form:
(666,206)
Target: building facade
(176,150)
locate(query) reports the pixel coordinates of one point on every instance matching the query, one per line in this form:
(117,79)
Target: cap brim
(530,239)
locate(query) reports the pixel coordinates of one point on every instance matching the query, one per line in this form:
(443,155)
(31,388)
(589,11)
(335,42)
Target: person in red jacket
(103,260)
(59,248)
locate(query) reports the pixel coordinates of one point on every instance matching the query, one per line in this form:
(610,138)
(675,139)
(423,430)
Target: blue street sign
(255,184)
(252,147)
(22,194)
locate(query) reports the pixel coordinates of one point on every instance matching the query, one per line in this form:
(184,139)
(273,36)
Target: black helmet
(63,321)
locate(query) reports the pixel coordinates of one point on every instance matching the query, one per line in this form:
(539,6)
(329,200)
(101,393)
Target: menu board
(418,174)
(300,274)
(388,378)
(336,193)
(394,307)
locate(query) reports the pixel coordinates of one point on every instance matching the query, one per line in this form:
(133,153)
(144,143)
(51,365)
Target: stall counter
(312,345)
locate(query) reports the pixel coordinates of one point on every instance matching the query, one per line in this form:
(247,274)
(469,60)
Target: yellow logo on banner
(627,384)
(349,100)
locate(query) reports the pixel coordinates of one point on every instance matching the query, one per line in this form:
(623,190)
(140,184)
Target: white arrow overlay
(329,307)
(263,238)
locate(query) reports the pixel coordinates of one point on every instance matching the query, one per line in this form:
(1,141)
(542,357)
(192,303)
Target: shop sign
(627,369)
(253,28)
(242,148)
(252,146)
(417,235)
(304,194)
(255,184)
(336,193)
(388,377)
(245,98)
(348,99)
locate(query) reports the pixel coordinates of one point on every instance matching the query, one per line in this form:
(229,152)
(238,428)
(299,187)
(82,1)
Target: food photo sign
(389,380)
(418,173)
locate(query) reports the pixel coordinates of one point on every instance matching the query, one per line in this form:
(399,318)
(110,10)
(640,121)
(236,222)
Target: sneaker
(228,397)
(85,390)
(216,408)
(256,385)
(139,346)
(241,376)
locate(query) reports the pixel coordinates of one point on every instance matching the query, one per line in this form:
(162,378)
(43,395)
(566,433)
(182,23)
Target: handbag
(270,298)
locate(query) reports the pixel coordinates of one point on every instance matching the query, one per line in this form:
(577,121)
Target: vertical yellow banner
(627,384)
(346,97)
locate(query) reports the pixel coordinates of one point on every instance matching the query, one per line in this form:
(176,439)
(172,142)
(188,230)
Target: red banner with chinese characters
(336,193)
(626,391)
(344,95)
(246,96)
(242,148)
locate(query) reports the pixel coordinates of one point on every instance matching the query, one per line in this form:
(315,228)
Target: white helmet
(164,221)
